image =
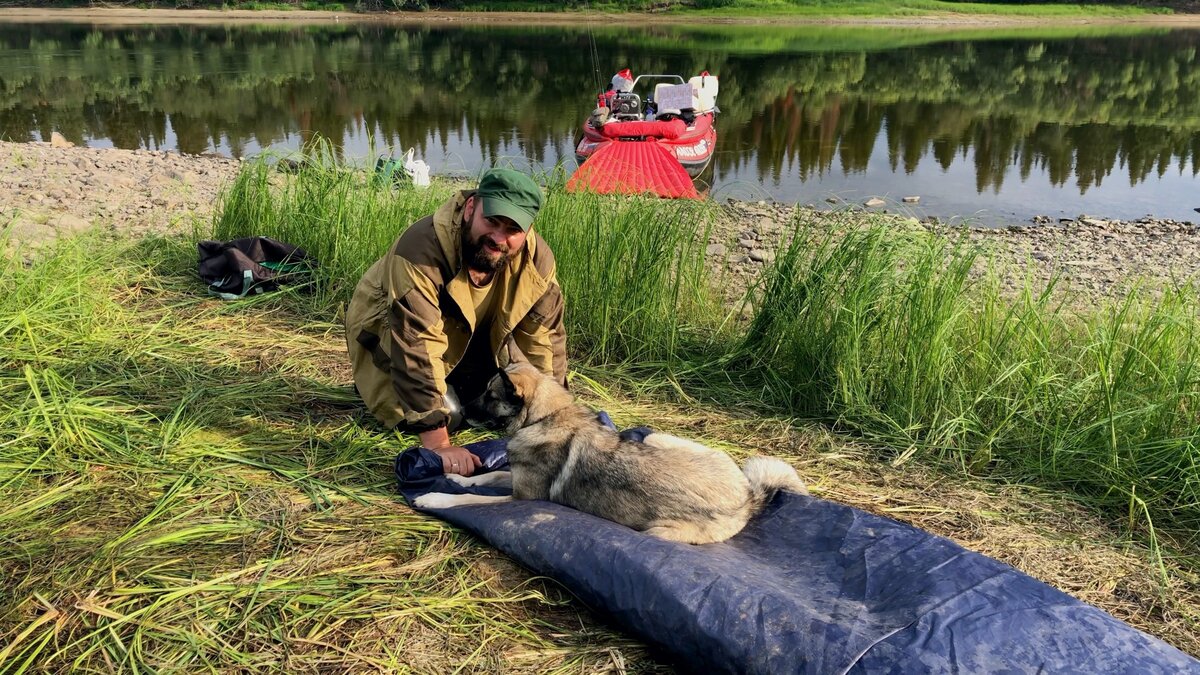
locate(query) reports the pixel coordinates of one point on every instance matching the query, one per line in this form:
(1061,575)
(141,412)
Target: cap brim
(493,207)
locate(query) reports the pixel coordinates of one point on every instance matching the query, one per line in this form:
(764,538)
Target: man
(461,294)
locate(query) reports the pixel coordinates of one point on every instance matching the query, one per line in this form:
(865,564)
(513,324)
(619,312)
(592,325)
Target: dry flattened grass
(199,489)
(187,485)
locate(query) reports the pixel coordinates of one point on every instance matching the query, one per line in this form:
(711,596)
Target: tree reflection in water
(811,101)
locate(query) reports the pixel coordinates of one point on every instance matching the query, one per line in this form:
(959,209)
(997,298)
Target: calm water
(989,125)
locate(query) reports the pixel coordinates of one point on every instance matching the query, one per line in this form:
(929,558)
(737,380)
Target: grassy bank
(870,328)
(188,484)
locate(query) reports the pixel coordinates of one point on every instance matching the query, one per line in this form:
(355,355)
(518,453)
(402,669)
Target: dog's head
(516,396)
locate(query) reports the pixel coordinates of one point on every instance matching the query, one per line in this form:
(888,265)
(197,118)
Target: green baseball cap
(511,194)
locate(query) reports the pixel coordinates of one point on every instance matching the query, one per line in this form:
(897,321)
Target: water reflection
(1103,123)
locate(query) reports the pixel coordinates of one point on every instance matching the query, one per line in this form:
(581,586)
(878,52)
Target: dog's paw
(437,500)
(492,478)
(464,481)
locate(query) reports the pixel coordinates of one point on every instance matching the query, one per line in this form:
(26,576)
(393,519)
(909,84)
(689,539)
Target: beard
(481,257)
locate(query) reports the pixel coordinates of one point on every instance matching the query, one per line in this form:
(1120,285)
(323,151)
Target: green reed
(642,248)
(635,277)
(885,332)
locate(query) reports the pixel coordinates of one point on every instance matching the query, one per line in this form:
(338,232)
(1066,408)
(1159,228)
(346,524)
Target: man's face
(488,243)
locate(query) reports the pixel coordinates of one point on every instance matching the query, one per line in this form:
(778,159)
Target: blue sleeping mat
(810,586)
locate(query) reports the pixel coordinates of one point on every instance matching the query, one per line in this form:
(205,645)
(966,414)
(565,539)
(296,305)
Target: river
(992,125)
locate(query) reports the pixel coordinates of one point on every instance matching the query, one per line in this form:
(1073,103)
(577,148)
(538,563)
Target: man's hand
(458,460)
(455,459)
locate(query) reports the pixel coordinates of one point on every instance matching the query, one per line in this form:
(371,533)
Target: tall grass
(878,329)
(885,332)
(641,250)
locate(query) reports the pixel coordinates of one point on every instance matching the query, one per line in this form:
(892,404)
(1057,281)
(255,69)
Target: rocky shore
(1089,254)
(53,189)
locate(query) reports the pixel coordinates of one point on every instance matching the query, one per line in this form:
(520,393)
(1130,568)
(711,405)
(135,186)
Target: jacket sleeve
(419,344)
(542,335)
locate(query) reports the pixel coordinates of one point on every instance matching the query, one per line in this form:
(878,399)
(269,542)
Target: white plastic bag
(417,169)
(623,81)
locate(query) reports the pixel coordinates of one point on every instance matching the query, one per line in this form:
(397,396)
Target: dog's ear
(522,380)
(506,385)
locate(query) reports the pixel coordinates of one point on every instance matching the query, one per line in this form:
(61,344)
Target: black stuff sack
(235,269)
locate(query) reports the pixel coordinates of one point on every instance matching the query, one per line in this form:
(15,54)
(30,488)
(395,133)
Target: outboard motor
(627,106)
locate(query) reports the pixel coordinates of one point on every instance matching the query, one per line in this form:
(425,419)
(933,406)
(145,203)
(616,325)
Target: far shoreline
(127,16)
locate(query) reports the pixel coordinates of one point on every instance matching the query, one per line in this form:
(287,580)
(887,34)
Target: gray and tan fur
(665,486)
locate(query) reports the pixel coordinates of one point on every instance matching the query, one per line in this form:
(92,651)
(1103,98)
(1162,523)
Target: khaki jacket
(411,318)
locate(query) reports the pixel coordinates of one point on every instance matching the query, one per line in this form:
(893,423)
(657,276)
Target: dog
(665,486)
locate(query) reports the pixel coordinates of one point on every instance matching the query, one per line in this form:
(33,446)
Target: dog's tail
(767,476)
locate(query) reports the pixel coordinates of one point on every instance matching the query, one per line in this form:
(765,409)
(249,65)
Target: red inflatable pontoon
(636,167)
